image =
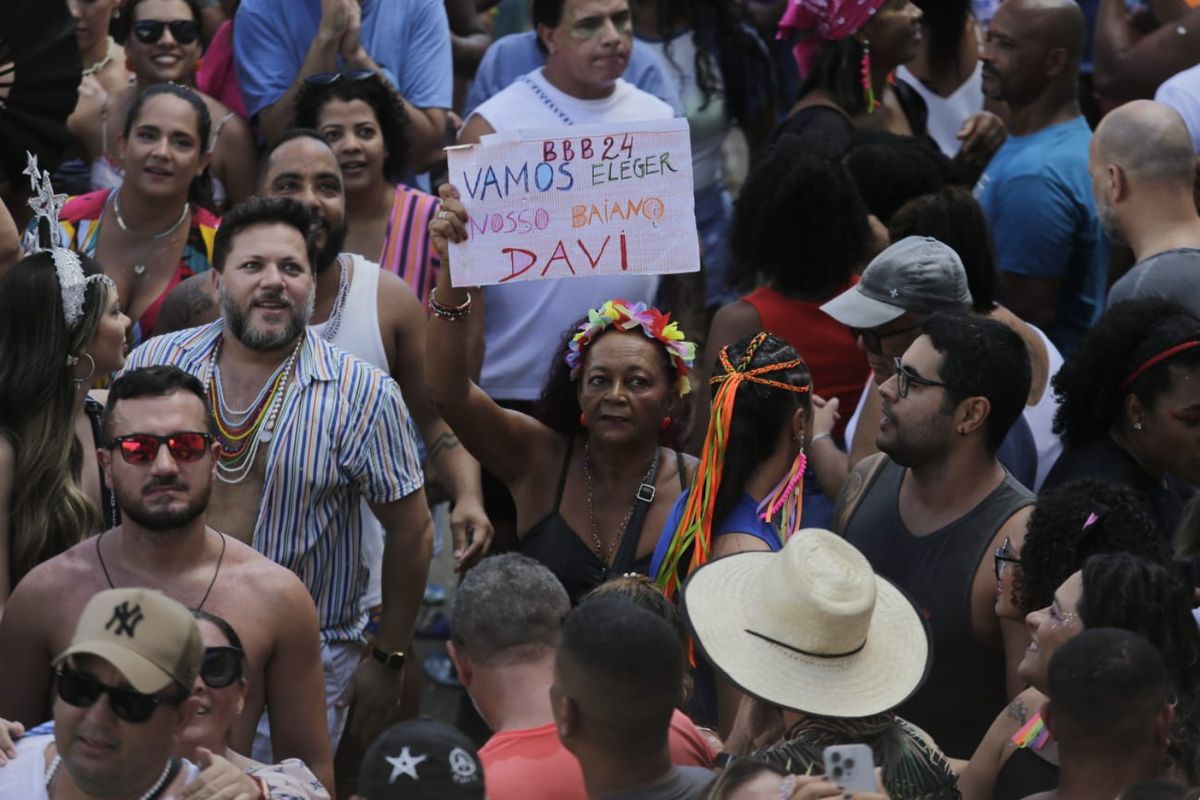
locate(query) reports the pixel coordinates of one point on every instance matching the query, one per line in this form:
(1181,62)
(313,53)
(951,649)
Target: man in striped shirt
(306,430)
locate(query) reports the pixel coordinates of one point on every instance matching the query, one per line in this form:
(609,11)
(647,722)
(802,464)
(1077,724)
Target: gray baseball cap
(917,273)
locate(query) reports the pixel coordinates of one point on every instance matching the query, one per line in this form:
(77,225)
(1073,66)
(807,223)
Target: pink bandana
(822,21)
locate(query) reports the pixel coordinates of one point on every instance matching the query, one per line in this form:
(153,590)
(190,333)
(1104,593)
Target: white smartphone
(850,766)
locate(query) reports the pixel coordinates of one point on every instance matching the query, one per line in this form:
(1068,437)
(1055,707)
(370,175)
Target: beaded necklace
(169,772)
(241,432)
(334,323)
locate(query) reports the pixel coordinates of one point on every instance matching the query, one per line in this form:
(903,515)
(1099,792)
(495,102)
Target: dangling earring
(666,422)
(91,361)
(787,499)
(582,420)
(868,89)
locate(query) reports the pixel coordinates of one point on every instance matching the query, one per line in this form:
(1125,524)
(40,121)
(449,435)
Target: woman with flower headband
(60,324)
(1129,407)
(747,492)
(592,485)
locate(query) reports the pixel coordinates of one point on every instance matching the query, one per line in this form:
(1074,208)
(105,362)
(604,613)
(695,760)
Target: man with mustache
(307,432)
(159,458)
(930,509)
(1036,191)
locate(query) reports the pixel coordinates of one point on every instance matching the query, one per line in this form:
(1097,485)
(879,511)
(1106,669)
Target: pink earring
(868,89)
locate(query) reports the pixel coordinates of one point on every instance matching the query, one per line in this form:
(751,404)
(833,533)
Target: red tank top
(838,368)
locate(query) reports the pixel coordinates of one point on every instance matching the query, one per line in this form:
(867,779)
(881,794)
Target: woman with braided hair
(747,491)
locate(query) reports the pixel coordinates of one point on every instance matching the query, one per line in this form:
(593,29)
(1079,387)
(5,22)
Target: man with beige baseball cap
(123,695)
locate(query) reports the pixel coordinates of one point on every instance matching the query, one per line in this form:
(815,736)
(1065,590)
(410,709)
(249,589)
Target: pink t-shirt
(532,764)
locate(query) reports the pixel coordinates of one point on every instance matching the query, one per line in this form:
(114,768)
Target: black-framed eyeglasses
(905,377)
(1003,556)
(142,448)
(330,78)
(874,341)
(149,31)
(221,666)
(82,691)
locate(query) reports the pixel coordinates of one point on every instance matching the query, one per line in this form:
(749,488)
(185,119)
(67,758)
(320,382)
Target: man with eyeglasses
(930,509)
(898,290)
(122,698)
(160,462)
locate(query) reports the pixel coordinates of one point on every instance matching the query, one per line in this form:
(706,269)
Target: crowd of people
(894,497)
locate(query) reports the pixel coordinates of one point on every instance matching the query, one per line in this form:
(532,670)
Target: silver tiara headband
(47,205)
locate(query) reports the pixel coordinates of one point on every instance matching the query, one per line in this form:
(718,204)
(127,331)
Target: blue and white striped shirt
(343,433)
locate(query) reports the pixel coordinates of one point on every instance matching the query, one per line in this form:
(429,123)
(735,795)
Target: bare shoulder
(398,302)
(267,579)
(853,489)
(733,321)
(192,302)
(476,128)
(60,582)
(1015,526)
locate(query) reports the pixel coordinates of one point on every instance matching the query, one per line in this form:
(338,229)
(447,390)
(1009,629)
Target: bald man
(1036,192)
(1142,175)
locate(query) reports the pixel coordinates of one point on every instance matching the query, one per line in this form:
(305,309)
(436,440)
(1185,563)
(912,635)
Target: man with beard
(368,312)
(159,459)
(930,509)
(1143,175)
(306,432)
(1036,194)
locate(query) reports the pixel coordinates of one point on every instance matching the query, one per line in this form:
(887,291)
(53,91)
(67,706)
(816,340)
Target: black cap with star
(421,759)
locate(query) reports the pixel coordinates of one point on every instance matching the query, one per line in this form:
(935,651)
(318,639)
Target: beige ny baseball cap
(151,639)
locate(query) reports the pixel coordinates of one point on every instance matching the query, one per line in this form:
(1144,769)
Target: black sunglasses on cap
(149,31)
(82,691)
(329,78)
(221,666)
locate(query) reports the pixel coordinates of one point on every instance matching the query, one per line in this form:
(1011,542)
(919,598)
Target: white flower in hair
(46,207)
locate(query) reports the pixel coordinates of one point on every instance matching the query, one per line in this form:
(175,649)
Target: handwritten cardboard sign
(575,202)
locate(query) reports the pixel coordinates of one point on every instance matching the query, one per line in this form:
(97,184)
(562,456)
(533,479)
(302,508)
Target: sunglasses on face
(149,31)
(1004,556)
(82,691)
(221,666)
(874,341)
(330,78)
(905,378)
(142,448)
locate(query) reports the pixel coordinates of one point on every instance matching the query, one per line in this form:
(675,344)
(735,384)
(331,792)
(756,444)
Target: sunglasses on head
(221,666)
(82,691)
(329,78)
(149,31)
(142,448)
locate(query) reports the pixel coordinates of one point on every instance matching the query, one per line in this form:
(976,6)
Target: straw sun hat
(810,628)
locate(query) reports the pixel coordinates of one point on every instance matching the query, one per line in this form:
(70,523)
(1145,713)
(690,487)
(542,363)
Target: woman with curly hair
(1129,406)
(363,120)
(1069,524)
(1018,757)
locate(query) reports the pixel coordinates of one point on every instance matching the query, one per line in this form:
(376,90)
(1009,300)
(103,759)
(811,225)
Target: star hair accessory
(47,206)
(627,316)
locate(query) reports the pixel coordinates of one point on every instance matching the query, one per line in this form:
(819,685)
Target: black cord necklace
(203,600)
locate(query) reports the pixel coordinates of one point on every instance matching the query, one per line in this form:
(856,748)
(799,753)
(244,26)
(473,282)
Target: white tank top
(359,335)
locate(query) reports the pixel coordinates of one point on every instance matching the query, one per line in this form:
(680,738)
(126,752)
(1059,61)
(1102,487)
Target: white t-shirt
(525,321)
(1182,93)
(947,114)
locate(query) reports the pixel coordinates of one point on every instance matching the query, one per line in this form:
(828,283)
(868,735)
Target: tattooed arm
(193,302)
(401,314)
(852,491)
(977,780)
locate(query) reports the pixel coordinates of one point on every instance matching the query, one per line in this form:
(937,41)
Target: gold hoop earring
(91,371)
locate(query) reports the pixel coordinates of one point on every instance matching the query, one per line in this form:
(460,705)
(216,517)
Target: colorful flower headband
(626,317)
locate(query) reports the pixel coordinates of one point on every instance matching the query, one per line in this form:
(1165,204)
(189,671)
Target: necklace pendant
(139,269)
(265,436)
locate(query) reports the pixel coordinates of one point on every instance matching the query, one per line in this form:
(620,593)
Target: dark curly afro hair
(376,92)
(1129,333)
(1057,543)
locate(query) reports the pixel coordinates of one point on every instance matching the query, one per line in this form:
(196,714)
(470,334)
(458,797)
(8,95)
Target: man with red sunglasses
(160,461)
(123,696)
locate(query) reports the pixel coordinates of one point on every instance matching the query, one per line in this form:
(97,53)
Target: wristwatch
(393,660)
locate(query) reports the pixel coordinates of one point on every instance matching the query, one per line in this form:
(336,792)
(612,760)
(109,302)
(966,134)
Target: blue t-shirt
(510,57)
(409,39)
(1037,196)
(742,519)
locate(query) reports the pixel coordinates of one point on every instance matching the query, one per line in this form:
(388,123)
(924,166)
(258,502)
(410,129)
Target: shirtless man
(308,432)
(302,166)
(165,544)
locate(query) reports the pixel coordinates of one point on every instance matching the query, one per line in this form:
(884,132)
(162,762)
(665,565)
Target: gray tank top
(965,687)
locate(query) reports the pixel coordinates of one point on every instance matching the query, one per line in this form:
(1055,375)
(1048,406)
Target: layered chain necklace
(597,544)
(139,268)
(334,323)
(169,771)
(241,432)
